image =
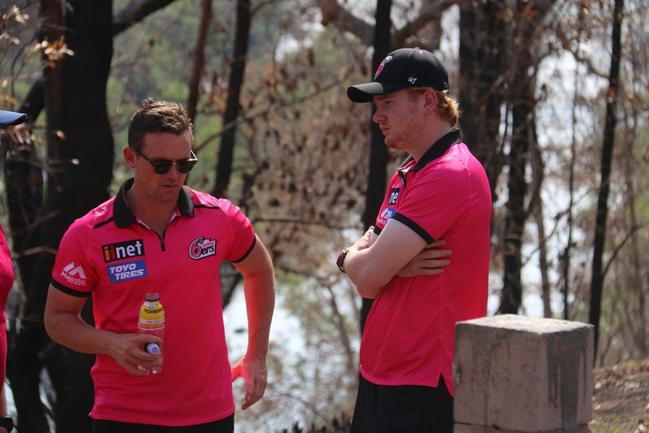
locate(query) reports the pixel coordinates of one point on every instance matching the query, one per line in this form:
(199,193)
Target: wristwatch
(7,423)
(341,259)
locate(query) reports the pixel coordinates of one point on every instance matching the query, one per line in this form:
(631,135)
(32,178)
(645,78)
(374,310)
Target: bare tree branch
(334,13)
(433,14)
(123,19)
(259,6)
(135,12)
(619,247)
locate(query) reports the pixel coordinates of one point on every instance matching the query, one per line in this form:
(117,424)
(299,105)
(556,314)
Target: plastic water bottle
(152,321)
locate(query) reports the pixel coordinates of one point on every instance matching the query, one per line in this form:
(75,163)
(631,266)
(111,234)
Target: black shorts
(402,409)
(225,425)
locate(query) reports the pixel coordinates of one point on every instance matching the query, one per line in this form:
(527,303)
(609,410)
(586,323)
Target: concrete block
(523,374)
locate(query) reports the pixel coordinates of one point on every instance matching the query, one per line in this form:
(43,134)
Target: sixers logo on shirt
(381,66)
(201,248)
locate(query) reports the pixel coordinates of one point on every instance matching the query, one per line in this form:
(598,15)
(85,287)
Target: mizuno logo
(74,274)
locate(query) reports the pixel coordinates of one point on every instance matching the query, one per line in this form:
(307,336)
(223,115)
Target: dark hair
(157,116)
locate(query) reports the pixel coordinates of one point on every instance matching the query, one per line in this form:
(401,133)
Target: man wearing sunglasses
(158,235)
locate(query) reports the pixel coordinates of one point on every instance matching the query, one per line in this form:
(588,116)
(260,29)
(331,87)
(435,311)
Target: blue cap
(8,118)
(152,348)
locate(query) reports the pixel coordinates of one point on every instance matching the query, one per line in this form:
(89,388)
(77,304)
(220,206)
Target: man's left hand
(255,374)
(432,260)
(364,241)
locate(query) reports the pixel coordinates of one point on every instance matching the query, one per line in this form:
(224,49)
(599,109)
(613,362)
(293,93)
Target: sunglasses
(161,166)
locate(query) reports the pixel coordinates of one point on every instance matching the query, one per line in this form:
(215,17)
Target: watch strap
(340,261)
(7,422)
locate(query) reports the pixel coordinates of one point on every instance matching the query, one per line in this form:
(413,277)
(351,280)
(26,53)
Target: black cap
(9,118)
(402,69)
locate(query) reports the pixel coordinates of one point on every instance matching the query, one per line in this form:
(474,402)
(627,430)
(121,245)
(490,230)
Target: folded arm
(371,265)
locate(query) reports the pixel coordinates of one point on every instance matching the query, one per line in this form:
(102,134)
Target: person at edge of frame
(7,119)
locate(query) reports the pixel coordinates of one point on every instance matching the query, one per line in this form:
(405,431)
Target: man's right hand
(432,260)
(128,350)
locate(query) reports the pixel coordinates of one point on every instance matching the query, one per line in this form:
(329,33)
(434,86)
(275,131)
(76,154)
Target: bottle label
(152,316)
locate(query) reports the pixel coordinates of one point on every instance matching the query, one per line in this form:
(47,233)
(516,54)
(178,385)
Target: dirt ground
(621,398)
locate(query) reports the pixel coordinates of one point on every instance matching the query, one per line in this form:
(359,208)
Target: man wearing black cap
(441,192)
(7,118)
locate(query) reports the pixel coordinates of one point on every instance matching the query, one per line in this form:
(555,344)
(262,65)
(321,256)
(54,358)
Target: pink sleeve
(72,273)
(6,270)
(434,202)
(242,234)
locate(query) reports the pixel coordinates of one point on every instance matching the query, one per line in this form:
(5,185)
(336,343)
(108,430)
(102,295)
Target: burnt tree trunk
(536,208)
(79,172)
(129,15)
(377,175)
(237,72)
(528,17)
(597,279)
(522,108)
(28,340)
(199,60)
(483,62)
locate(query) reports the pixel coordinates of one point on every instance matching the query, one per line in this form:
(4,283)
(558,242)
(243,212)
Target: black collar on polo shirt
(124,215)
(438,149)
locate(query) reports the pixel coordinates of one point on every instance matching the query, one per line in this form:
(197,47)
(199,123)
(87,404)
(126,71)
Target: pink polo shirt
(409,336)
(108,254)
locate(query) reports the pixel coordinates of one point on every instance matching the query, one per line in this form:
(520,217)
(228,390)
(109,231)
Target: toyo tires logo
(201,248)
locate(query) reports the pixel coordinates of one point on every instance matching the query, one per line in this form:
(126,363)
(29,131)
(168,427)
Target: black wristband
(7,423)
(341,259)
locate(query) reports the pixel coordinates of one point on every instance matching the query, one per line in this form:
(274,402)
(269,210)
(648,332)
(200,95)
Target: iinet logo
(74,274)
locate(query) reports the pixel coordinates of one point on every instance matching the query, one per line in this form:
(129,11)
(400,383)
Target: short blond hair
(447,106)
